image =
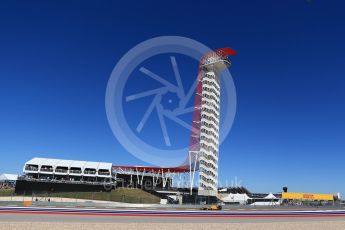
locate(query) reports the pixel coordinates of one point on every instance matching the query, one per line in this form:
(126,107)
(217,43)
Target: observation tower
(204,143)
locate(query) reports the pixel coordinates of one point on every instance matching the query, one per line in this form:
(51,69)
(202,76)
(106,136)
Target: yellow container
(307,196)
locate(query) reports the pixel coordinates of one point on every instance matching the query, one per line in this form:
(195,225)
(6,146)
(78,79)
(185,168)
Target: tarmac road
(93,215)
(35,218)
(63,218)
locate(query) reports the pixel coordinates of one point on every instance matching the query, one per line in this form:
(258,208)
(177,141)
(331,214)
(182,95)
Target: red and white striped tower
(204,144)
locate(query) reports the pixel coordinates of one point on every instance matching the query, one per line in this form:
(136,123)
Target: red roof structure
(154,169)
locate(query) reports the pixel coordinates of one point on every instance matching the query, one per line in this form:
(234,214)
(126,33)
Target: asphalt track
(74,215)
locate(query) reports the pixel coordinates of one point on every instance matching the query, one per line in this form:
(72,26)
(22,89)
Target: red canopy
(154,169)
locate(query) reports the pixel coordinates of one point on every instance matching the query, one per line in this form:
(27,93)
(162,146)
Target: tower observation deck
(204,143)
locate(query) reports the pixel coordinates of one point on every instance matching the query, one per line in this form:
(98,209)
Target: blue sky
(56,58)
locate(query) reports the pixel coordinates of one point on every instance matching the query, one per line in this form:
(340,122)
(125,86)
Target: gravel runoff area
(315,225)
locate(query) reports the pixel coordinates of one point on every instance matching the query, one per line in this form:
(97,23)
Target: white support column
(172,179)
(136,169)
(142,177)
(156,177)
(153,179)
(115,176)
(192,172)
(185,183)
(164,179)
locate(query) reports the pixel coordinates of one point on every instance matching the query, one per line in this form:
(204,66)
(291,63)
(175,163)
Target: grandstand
(8,180)
(56,169)
(52,176)
(57,175)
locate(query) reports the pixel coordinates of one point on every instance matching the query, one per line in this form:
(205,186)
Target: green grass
(118,195)
(6,192)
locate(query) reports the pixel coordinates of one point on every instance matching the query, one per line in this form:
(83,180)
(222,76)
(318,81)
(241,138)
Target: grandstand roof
(69,163)
(8,177)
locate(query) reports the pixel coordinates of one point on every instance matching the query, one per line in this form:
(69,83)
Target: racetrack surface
(73,218)
(173,224)
(148,215)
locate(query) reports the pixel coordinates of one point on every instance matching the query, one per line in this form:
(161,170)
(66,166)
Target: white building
(208,90)
(244,199)
(67,169)
(235,198)
(8,178)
